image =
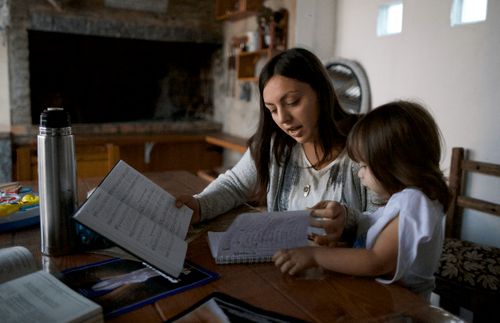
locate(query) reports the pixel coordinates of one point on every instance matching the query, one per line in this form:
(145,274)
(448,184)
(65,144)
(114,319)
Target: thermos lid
(54,118)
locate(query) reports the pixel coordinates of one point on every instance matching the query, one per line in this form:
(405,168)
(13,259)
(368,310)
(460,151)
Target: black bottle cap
(55,118)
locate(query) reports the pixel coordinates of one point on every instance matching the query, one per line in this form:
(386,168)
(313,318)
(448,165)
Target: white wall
(455,72)
(4,85)
(315,27)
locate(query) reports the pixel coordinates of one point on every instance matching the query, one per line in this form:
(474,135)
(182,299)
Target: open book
(255,237)
(28,293)
(139,216)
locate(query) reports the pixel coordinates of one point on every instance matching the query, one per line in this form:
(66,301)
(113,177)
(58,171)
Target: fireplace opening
(101,79)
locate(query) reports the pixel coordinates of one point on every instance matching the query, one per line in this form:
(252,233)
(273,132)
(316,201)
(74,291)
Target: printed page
(139,216)
(138,192)
(16,262)
(262,234)
(40,295)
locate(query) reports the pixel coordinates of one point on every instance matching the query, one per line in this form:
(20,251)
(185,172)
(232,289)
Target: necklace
(307,190)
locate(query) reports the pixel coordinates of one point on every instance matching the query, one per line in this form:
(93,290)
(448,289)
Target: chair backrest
(460,166)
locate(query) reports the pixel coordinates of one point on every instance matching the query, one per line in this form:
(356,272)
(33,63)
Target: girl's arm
(380,260)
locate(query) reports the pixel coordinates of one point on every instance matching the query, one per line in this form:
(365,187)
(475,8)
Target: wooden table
(315,296)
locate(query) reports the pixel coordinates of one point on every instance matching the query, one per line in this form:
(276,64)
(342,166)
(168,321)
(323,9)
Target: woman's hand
(331,216)
(191,203)
(292,261)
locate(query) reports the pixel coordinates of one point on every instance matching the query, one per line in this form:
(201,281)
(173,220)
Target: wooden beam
(228,141)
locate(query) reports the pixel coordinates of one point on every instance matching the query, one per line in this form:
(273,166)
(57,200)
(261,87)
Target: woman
(296,158)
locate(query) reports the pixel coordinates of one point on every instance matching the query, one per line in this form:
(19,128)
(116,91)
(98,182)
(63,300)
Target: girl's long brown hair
(400,142)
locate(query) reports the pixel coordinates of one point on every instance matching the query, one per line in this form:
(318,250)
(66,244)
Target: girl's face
(293,106)
(367,179)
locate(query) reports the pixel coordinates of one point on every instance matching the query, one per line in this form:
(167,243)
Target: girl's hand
(331,216)
(292,261)
(191,203)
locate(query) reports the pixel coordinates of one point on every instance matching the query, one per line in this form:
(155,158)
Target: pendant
(307,189)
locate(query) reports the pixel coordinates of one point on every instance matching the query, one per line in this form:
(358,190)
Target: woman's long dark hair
(400,142)
(333,123)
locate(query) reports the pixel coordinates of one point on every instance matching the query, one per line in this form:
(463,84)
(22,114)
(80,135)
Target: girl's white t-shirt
(420,236)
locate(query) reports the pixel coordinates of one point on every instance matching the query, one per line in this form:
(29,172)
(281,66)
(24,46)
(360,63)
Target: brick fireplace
(111,67)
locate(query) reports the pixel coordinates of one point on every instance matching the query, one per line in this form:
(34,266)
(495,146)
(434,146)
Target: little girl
(398,148)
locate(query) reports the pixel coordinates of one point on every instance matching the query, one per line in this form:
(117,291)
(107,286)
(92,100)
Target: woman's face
(293,106)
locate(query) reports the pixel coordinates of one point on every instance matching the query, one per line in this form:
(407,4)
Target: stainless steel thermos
(57,182)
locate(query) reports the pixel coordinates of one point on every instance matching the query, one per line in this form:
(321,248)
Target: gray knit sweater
(236,186)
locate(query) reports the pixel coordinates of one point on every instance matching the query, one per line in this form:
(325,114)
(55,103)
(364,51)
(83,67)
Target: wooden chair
(91,161)
(469,273)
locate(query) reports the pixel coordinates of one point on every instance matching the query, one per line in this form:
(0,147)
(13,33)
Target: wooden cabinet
(178,152)
(96,155)
(236,9)
(91,160)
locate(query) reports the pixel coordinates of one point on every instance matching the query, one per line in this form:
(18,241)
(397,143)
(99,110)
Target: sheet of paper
(214,239)
(138,192)
(258,235)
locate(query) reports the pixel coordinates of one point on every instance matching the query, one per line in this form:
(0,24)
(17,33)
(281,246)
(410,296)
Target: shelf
(246,63)
(236,9)
(228,141)
(274,31)
(259,52)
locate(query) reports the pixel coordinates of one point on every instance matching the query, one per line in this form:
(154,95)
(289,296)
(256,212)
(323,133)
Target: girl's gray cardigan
(236,186)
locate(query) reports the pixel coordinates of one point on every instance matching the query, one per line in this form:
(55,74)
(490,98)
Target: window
(390,19)
(468,11)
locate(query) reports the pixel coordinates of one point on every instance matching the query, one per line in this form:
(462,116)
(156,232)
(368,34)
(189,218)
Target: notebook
(256,237)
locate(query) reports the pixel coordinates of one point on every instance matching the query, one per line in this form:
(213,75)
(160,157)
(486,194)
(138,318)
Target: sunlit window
(390,19)
(468,11)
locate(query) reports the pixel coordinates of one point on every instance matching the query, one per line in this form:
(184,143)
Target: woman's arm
(378,261)
(229,190)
